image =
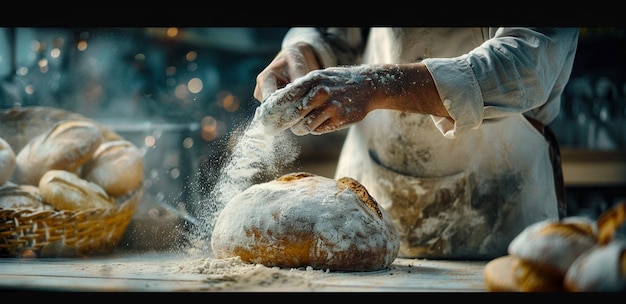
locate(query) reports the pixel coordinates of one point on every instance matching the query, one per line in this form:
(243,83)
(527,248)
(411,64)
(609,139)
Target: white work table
(161,272)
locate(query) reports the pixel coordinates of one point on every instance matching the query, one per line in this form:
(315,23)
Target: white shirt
(503,71)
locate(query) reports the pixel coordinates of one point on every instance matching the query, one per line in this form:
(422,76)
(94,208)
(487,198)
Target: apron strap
(555,159)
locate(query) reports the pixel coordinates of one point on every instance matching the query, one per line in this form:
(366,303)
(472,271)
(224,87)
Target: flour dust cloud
(253,153)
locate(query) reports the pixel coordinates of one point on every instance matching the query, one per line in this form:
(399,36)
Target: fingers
(314,124)
(289,64)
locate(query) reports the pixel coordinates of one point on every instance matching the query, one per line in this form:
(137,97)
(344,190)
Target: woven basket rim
(37,234)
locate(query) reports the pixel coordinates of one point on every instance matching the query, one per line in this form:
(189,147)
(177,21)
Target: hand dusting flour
(260,149)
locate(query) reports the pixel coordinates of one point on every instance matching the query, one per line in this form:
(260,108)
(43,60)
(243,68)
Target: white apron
(463,198)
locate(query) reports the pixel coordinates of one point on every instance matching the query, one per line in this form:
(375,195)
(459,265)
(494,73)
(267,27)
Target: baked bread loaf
(301,220)
(512,274)
(67,191)
(65,146)
(117,166)
(29,197)
(574,254)
(7,161)
(553,245)
(602,269)
(540,256)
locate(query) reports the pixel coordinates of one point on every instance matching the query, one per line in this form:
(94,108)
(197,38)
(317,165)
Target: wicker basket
(65,233)
(54,233)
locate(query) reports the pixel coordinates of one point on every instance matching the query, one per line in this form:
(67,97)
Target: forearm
(409,88)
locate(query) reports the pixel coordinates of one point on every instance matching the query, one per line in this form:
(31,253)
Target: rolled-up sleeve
(518,70)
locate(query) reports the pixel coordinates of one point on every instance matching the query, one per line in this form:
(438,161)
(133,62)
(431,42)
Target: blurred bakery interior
(179,93)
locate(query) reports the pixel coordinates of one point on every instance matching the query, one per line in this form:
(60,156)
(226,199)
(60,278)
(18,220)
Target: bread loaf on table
(301,220)
(117,166)
(540,256)
(7,161)
(602,269)
(65,146)
(67,191)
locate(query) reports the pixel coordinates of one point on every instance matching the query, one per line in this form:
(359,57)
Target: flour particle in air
(254,154)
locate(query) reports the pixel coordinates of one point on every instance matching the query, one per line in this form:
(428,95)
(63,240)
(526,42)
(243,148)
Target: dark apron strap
(555,159)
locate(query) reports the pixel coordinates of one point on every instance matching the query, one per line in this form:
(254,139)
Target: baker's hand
(334,98)
(331,99)
(290,63)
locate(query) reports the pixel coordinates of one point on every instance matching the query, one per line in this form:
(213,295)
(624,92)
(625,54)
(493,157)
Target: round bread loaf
(512,274)
(553,245)
(7,161)
(602,269)
(67,191)
(301,220)
(29,197)
(117,166)
(65,146)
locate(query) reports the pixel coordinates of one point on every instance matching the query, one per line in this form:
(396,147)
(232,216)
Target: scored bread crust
(28,197)
(554,245)
(65,146)
(301,220)
(117,166)
(67,191)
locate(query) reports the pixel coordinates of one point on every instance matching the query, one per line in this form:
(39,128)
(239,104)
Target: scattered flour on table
(234,274)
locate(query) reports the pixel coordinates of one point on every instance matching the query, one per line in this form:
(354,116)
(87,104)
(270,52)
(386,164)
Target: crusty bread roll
(65,146)
(29,197)
(301,220)
(117,166)
(512,274)
(7,161)
(602,269)
(67,191)
(553,245)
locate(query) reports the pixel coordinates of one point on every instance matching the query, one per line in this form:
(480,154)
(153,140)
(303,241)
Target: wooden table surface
(158,272)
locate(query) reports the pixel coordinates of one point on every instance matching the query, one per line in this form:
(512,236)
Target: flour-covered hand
(328,100)
(290,63)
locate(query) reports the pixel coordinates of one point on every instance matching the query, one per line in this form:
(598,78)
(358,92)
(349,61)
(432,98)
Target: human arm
(307,49)
(518,70)
(333,98)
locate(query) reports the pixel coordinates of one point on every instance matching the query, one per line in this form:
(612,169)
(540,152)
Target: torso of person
(463,198)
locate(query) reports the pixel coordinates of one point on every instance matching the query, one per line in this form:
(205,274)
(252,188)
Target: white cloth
(460,187)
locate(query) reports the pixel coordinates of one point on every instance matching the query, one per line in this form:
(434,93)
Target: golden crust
(117,166)
(66,146)
(361,191)
(302,219)
(67,191)
(610,221)
(21,197)
(512,274)
(294,176)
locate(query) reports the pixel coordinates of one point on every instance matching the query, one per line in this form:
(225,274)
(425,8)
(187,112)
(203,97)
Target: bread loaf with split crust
(67,191)
(301,220)
(66,146)
(117,166)
(28,197)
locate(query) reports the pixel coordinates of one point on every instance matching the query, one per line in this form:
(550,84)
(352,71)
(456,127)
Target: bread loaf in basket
(57,144)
